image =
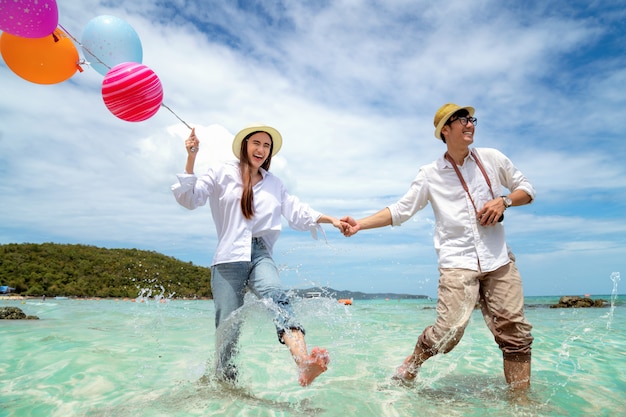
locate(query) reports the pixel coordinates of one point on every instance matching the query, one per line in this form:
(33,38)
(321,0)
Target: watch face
(507,201)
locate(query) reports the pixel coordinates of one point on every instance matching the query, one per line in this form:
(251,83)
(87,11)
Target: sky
(353,86)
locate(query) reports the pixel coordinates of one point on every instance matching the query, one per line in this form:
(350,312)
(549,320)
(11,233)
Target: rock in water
(14,313)
(569,301)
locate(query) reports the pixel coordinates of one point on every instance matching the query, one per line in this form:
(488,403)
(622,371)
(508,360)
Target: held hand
(349,226)
(491,212)
(192,143)
(335,222)
(339,224)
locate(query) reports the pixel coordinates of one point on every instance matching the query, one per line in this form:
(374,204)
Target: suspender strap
(458,173)
(480,166)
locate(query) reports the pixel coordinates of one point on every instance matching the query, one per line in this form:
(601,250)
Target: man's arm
(379,219)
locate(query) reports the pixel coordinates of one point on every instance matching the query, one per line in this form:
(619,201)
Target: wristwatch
(507,202)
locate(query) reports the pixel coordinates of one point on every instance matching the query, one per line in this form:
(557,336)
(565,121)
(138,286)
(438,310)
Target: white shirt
(460,241)
(222,186)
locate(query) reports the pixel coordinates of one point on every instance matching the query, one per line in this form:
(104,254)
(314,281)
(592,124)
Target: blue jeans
(229,282)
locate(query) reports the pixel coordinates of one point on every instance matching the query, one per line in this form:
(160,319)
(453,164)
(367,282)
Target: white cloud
(352,86)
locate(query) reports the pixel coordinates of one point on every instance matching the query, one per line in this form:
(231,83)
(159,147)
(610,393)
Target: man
(464,188)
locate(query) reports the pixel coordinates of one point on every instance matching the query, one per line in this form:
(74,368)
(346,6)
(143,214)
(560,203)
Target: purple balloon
(29,18)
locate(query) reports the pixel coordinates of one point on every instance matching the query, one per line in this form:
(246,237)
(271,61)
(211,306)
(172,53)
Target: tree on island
(87,271)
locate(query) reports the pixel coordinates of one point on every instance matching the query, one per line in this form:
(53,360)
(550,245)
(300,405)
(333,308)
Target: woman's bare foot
(313,366)
(407,372)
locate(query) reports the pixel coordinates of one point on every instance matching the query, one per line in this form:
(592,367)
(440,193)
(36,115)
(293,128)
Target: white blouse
(222,187)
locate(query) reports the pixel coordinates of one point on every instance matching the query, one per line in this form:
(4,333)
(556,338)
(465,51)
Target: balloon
(132,92)
(29,18)
(112,41)
(48,60)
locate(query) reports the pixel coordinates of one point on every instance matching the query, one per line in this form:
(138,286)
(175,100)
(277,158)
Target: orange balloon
(48,60)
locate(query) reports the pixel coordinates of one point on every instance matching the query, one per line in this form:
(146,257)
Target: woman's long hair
(247,197)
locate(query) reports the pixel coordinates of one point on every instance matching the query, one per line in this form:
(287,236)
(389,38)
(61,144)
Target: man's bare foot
(314,365)
(407,372)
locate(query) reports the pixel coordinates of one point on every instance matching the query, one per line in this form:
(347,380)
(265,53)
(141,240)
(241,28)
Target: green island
(73,270)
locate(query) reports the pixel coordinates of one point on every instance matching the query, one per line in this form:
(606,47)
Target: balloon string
(102,63)
(185,123)
(83,46)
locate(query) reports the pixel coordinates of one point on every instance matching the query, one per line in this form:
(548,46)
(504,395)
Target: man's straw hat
(444,113)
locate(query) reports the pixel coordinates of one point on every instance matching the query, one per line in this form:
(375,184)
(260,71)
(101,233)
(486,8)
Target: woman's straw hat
(277,139)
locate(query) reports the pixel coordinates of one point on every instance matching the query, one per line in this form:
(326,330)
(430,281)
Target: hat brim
(277,139)
(445,118)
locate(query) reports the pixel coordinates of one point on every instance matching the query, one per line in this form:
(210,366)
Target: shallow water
(122,358)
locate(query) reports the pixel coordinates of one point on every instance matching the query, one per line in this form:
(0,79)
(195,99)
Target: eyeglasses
(464,120)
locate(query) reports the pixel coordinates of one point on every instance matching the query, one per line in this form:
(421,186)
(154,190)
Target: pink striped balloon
(132,91)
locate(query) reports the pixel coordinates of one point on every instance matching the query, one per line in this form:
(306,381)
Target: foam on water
(615,277)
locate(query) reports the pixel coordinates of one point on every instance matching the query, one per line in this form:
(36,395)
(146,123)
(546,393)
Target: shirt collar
(442,162)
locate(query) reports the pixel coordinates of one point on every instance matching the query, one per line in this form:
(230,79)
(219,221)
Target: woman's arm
(330,219)
(192,144)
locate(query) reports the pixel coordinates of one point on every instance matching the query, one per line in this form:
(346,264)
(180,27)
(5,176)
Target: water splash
(615,277)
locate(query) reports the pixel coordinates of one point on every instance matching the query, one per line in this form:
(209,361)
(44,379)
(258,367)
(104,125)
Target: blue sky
(353,87)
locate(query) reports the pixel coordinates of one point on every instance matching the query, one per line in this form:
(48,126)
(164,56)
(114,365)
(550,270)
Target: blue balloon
(108,41)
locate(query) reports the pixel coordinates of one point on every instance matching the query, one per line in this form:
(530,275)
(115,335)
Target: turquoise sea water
(123,358)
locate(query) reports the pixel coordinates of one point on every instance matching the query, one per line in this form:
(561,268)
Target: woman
(247,202)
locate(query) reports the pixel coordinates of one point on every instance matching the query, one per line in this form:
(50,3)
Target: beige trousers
(501,299)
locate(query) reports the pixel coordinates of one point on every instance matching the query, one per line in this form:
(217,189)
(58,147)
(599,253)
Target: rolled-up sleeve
(415,199)
(187,192)
(299,215)
(512,178)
